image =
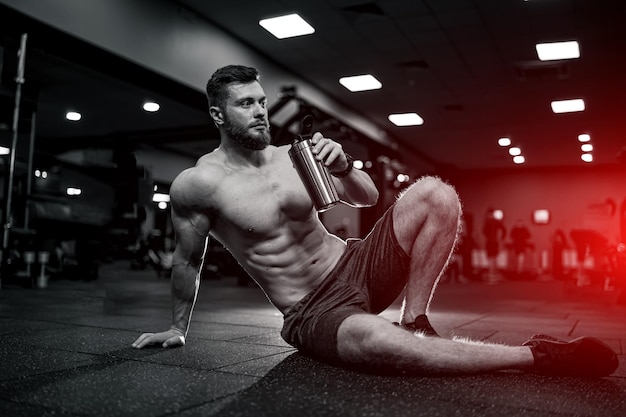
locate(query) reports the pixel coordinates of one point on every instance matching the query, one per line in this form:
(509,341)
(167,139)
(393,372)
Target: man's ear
(216,115)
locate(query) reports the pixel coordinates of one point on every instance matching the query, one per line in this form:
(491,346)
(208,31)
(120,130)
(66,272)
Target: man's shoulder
(204,172)
(205,175)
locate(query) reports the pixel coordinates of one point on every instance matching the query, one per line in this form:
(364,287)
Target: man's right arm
(192,232)
(192,228)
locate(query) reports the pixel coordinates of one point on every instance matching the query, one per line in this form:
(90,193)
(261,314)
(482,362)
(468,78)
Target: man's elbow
(368,199)
(372,197)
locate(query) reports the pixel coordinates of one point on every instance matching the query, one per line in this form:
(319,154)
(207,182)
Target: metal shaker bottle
(313,173)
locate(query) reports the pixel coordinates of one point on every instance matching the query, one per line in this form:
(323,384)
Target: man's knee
(430,195)
(362,337)
(374,344)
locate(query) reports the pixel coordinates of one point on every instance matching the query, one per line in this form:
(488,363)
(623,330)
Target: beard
(254,141)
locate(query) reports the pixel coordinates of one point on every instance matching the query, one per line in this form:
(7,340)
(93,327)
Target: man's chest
(263,199)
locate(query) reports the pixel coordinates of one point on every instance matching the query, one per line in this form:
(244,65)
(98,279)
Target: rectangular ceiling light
(160,197)
(360,83)
(568,106)
(287,26)
(4,151)
(557,50)
(406,119)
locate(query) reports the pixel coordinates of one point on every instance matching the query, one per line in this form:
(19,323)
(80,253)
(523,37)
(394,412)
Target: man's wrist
(176,329)
(345,172)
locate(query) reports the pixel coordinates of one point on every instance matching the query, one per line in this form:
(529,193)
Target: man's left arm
(354,186)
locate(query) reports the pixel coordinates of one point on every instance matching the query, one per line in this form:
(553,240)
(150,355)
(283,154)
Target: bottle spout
(307,127)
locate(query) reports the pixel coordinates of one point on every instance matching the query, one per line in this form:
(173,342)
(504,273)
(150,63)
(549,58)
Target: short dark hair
(216,86)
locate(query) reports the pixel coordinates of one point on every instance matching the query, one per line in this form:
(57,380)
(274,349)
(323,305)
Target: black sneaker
(421,325)
(582,357)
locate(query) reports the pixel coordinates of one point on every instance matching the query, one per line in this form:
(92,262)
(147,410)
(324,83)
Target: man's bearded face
(254,136)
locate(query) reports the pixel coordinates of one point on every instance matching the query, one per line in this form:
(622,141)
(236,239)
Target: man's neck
(241,156)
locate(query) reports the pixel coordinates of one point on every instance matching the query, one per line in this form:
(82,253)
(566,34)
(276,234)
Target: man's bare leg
(426,221)
(370,341)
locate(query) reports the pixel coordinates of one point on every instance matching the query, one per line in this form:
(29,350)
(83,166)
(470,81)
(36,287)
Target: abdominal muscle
(288,264)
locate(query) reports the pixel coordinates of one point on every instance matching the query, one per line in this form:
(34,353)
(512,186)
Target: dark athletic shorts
(369,276)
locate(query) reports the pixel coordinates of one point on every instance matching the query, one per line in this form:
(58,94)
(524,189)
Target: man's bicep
(190,214)
(191,231)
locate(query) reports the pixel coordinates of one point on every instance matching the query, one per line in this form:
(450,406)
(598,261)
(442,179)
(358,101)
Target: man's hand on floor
(170,338)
